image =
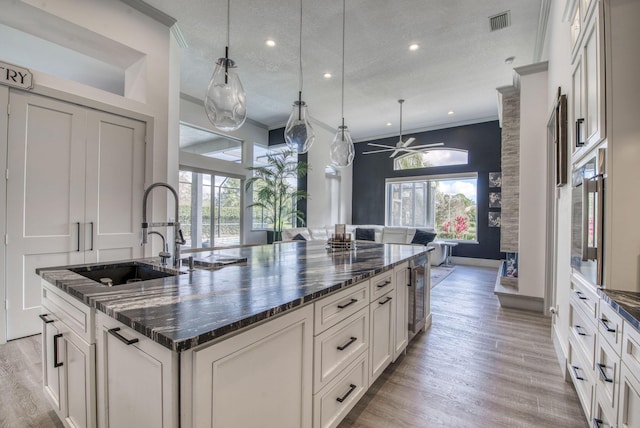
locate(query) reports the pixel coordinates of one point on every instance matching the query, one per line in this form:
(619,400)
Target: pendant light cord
(300,81)
(228,20)
(343,31)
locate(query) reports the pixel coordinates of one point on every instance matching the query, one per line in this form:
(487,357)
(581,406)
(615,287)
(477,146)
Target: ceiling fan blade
(424,146)
(380,145)
(376,151)
(395,152)
(409,141)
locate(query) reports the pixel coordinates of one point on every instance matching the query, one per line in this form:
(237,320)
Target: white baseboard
(517,301)
(470,261)
(561,352)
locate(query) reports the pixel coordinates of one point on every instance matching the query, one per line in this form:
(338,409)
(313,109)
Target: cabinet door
(51,359)
(45,191)
(593,62)
(382,316)
(259,378)
(577,107)
(137,384)
(401,336)
(115,187)
(79,375)
(629,408)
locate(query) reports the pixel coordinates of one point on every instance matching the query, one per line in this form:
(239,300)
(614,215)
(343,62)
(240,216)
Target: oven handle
(599,227)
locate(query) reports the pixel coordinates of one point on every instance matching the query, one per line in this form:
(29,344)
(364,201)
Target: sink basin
(123,273)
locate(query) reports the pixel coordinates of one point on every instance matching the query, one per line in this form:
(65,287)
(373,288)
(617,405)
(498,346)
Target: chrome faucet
(179,238)
(164,253)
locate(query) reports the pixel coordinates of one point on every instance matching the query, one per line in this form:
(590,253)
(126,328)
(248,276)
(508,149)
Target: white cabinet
(137,378)
(629,409)
(382,319)
(259,378)
(75,187)
(401,334)
(68,364)
(588,106)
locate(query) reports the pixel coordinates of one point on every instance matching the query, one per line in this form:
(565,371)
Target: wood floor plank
(479,365)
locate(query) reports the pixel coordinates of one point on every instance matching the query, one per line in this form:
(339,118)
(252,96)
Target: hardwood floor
(478,366)
(22,401)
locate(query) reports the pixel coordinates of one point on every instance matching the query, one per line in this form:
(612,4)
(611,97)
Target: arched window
(431,157)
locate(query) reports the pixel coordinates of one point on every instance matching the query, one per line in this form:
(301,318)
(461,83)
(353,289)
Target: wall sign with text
(12,75)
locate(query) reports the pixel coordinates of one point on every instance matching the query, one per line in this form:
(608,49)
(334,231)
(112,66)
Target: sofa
(382,234)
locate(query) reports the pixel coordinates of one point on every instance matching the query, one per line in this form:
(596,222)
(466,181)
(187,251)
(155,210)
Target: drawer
(75,314)
(586,295)
(381,284)
(602,418)
(631,347)
(334,401)
(583,331)
(582,376)
(607,375)
(610,326)
(339,306)
(338,346)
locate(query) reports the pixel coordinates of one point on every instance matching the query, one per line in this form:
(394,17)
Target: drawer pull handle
(346,345)
(580,295)
(114,331)
(387,300)
(384,284)
(596,423)
(347,304)
(605,323)
(91,249)
(603,375)
(78,231)
(44,319)
(352,388)
(575,372)
(578,330)
(56,363)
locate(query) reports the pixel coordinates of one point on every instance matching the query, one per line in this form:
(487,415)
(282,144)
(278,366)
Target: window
(261,218)
(446,204)
(210,209)
(332,195)
(431,157)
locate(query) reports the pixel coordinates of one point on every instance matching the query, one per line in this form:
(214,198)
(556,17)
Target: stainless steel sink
(124,273)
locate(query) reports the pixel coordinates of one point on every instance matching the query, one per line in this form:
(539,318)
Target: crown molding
(541,33)
(151,12)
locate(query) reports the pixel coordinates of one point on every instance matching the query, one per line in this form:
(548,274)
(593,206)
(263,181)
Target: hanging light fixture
(298,134)
(341,151)
(225,101)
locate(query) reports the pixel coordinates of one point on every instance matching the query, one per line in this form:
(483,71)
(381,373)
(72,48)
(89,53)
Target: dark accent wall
(482,141)
(276,138)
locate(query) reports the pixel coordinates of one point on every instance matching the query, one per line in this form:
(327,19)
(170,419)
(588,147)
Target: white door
(45,197)
(115,187)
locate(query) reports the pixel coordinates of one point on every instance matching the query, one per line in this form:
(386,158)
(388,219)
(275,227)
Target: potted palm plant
(274,193)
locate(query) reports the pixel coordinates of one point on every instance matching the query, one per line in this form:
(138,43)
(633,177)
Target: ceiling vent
(500,21)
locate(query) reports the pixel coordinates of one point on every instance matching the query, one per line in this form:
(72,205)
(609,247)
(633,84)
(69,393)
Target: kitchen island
(263,342)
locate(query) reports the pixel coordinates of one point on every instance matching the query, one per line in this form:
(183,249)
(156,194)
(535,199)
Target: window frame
(429,150)
(429,179)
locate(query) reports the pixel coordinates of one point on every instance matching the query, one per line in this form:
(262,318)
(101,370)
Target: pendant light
(225,101)
(341,151)
(298,134)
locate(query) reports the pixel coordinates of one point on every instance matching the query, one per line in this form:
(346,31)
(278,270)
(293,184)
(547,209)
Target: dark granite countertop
(183,311)
(626,303)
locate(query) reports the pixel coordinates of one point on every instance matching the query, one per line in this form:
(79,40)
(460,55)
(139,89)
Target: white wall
(533,183)
(317,210)
(559,75)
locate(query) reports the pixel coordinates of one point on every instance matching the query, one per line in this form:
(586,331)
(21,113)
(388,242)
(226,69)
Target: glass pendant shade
(298,133)
(341,151)
(225,101)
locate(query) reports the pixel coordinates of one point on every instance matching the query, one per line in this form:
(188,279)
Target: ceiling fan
(400,145)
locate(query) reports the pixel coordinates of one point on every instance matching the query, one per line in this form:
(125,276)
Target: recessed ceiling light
(270,43)
(450,112)
(327,75)
(509,60)
(414,47)
(388,123)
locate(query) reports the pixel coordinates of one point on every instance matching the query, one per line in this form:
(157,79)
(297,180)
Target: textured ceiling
(458,66)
